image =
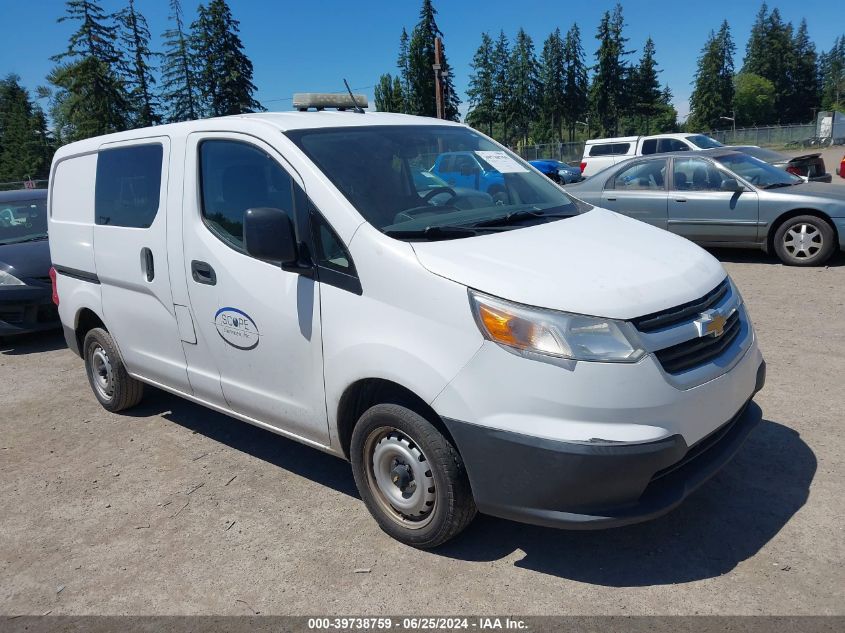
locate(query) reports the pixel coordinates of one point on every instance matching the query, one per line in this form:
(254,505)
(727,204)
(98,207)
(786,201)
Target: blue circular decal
(236,328)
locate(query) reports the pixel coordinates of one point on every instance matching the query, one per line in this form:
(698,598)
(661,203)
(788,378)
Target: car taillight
(53,283)
(792,169)
(583,166)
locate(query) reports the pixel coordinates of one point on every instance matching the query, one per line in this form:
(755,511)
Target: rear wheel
(410,476)
(805,240)
(111,383)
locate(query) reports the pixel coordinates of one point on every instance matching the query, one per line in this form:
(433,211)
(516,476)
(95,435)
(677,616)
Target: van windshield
(431,182)
(23,220)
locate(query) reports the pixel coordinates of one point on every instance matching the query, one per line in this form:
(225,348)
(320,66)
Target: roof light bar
(302,101)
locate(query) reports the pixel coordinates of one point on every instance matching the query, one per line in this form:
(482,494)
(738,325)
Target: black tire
(112,385)
(452,505)
(819,247)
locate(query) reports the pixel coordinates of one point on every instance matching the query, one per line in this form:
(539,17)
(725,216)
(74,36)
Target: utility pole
(440,106)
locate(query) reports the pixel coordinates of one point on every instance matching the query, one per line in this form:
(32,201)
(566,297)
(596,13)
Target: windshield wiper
(518,216)
(778,185)
(37,238)
(432,232)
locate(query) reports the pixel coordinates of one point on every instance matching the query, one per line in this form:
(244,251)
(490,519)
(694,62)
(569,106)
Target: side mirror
(731,184)
(269,235)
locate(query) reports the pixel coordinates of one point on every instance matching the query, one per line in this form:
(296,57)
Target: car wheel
(111,383)
(805,240)
(410,476)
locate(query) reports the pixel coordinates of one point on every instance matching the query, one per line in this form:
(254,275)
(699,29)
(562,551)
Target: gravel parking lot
(174,509)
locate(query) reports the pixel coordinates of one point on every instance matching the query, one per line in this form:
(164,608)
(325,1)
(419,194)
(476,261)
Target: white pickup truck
(604,152)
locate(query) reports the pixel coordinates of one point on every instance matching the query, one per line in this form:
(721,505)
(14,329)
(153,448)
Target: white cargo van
(604,152)
(525,356)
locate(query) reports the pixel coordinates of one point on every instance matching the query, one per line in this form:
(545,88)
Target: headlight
(548,333)
(7,279)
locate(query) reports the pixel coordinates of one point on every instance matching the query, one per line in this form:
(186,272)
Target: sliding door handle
(148,264)
(203,273)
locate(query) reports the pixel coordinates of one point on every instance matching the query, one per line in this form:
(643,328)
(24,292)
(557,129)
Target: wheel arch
(368,392)
(769,244)
(85,321)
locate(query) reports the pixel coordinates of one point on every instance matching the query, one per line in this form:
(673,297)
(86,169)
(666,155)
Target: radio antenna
(357,108)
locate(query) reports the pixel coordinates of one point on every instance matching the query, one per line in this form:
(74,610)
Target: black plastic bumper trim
(592,486)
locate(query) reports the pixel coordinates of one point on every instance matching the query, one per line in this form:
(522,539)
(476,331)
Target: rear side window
(649,175)
(128,186)
(650,146)
(672,145)
(609,149)
(236,176)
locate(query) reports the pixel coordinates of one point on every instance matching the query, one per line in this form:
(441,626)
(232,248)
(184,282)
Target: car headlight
(552,334)
(8,279)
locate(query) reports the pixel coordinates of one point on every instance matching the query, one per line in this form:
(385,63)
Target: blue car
(556,170)
(467,170)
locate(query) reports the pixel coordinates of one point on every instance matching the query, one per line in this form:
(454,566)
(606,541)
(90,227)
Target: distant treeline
(518,97)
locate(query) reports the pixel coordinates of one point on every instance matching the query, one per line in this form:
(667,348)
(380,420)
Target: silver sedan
(721,197)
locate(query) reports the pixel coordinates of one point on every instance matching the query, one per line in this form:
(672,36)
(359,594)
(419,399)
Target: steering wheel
(437,191)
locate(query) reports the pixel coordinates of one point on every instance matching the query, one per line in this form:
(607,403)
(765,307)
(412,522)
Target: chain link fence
(23,184)
(570,153)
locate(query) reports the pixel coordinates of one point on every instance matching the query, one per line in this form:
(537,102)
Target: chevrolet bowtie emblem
(711,323)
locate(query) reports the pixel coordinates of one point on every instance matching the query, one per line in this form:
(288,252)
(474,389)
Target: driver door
(701,211)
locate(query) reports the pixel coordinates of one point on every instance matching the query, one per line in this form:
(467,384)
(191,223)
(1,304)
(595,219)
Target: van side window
(128,185)
(234,177)
(331,253)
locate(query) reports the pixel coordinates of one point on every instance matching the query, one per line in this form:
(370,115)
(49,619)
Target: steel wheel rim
(102,375)
(803,240)
(400,477)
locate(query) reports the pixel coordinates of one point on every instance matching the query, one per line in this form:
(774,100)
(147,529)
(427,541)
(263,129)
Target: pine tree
(553,84)
(481,90)
(770,54)
(608,91)
(522,71)
(832,76)
(388,94)
(90,98)
(647,96)
(138,75)
(805,79)
(421,95)
(179,90)
(224,74)
(25,150)
(576,84)
(713,92)
(502,85)
(403,63)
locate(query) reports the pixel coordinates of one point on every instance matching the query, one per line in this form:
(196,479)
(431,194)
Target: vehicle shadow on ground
(750,256)
(35,343)
(724,523)
(274,449)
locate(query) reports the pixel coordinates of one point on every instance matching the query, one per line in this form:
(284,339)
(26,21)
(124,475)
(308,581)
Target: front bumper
(25,309)
(586,485)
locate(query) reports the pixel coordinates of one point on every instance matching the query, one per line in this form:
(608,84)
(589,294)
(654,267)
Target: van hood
(599,263)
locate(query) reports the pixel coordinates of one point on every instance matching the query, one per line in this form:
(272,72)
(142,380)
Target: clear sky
(300,45)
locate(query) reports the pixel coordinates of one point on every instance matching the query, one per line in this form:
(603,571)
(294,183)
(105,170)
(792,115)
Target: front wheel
(805,240)
(411,478)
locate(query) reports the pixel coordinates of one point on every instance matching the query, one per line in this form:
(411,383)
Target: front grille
(683,312)
(698,351)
